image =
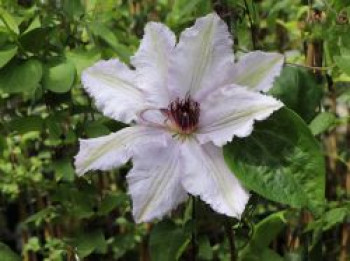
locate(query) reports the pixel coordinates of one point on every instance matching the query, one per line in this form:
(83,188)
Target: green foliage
(281,161)
(299,91)
(64,170)
(168,241)
(19,77)
(112,201)
(322,122)
(182,11)
(88,242)
(265,232)
(343,62)
(59,76)
(83,58)
(7,254)
(23,125)
(6,54)
(8,21)
(330,219)
(205,250)
(334,216)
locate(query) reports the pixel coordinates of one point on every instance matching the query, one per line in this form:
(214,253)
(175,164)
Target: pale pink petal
(203,58)
(112,85)
(206,175)
(231,111)
(115,149)
(257,70)
(154,182)
(152,60)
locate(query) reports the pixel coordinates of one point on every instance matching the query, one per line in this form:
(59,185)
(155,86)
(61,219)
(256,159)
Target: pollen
(183,115)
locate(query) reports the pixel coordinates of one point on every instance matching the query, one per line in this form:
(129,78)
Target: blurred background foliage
(47,213)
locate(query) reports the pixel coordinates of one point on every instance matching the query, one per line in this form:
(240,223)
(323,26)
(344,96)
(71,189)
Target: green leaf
(83,58)
(252,9)
(59,76)
(7,254)
(123,243)
(112,201)
(41,216)
(343,62)
(264,233)
(267,229)
(334,216)
(89,242)
(64,169)
(35,40)
(4,38)
(111,39)
(322,122)
(26,124)
(79,202)
(91,5)
(8,21)
(53,124)
(73,8)
(280,160)
(35,24)
(329,219)
(205,250)
(181,11)
(96,129)
(167,241)
(299,91)
(18,77)
(33,244)
(6,54)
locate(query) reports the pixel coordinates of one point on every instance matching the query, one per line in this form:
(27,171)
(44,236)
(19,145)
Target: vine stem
(316,68)
(194,236)
(231,239)
(345,234)
(252,30)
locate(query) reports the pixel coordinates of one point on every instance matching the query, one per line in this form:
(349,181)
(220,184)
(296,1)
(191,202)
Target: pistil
(183,115)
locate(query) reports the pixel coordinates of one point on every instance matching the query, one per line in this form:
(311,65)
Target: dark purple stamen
(184,114)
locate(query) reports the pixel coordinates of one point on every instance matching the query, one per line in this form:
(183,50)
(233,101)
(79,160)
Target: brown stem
(332,146)
(27,255)
(24,233)
(345,242)
(144,252)
(48,229)
(314,57)
(345,233)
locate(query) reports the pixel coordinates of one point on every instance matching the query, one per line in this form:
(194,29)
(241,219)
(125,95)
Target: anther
(184,114)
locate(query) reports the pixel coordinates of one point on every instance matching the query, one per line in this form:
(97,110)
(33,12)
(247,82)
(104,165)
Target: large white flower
(184,102)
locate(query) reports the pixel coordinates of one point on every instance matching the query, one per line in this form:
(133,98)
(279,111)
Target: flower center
(184,115)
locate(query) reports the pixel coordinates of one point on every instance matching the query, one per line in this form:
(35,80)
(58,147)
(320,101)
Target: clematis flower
(184,101)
